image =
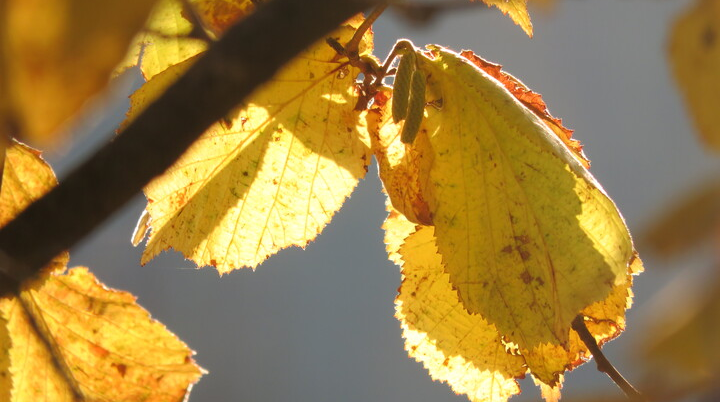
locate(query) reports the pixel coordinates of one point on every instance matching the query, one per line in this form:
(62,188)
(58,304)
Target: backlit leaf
(528,237)
(269,176)
(694,49)
(55,54)
(68,337)
(516,10)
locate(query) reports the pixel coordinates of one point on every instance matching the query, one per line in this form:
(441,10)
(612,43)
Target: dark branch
(245,57)
(603,364)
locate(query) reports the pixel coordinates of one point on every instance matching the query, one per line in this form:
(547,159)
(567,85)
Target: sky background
(318,325)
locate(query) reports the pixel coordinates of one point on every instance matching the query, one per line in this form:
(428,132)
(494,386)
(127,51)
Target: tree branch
(603,364)
(246,56)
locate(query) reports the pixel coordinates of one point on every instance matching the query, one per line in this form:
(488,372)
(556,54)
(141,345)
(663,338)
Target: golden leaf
(67,337)
(516,215)
(55,55)
(269,176)
(695,60)
(528,237)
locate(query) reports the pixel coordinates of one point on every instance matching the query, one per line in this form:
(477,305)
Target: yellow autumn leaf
(465,350)
(516,10)
(68,337)
(269,176)
(178,30)
(527,235)
(55,54)
(695,59)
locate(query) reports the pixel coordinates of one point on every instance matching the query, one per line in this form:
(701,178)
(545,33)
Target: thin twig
(245,57)
(354,42)
(603,364)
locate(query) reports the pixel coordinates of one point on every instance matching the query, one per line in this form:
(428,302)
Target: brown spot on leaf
(507,249)
(524,254)
(526,278)
(121,368)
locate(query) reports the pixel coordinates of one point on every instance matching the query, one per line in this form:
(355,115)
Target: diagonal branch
(245,57)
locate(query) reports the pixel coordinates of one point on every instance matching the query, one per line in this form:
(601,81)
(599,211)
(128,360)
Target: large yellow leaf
(178,30)
(67,337)
(465,350)
(695,59)
(527,235)
(54,54)
(516,10)
(269,176)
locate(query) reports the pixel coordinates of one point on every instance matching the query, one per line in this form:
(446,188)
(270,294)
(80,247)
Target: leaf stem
(603,364)
(354,42)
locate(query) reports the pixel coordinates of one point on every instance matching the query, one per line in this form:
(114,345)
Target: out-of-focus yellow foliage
(68,337)
(178,30)
(55,54)
(465,350)
(527,236)
(694,48)
(692,220)
(690,349)
(269,176)
(516,10)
